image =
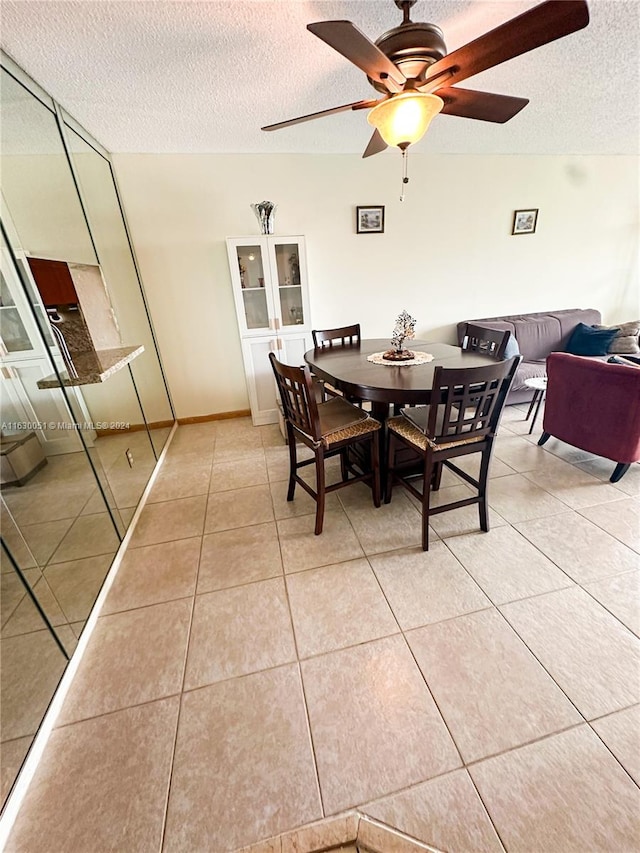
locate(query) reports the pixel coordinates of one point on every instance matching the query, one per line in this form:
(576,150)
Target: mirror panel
(76,455)
(98,192)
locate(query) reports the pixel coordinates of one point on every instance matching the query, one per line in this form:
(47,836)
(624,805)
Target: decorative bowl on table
(398,355)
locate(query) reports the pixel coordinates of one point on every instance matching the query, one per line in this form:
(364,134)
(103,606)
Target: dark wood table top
(347,368)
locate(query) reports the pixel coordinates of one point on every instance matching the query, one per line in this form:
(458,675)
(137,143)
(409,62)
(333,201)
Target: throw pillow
(512,347)
(585,340)
(626,341)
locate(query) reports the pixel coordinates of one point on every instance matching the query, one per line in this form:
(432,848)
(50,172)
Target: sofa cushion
(586,340)
(569,319)
(528,370)
(537,336)
(626,340)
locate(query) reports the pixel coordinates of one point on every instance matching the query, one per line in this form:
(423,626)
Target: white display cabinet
(270,289)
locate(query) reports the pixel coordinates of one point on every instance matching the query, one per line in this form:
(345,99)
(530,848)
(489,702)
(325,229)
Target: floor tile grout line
(606,745)
(607,609)
(486,810)
(312,744)
(545,668)
(295,640)
(584,517)
(600,527)
(611,713)
(106,614)
(497,608)
(180,703)
(113,711)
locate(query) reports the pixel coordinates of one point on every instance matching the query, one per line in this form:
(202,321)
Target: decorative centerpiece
(266,213)
(403,330)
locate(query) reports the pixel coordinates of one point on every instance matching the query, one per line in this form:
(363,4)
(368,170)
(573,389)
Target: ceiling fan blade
(375,146)
(356,105)
(540,25)
(353,44)
(484,106)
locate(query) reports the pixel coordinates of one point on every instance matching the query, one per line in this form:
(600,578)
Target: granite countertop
(94,367)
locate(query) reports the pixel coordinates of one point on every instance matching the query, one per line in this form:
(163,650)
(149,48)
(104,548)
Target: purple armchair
(594,405)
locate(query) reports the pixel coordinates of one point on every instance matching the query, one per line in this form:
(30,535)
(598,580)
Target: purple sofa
(537,336)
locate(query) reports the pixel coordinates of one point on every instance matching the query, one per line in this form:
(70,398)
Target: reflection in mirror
(31,664)
(35,170)
(101,203)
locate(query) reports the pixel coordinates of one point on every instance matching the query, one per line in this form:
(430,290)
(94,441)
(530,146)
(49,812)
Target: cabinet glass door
(289,284)
(254,293)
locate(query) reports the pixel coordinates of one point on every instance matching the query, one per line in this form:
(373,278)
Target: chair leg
(619,471)
(437,476)
(344,471)
(375,464)
(320,490)
(543,438)
(390,460)
(482,490)
(293,461)
(426,498)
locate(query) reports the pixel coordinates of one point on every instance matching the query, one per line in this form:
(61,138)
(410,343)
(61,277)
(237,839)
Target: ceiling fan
(410,67)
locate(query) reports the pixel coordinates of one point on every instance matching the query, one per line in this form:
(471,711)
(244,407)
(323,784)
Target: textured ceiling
(157,76)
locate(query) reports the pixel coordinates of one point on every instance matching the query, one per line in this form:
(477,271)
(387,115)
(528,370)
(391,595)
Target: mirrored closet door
(85,406)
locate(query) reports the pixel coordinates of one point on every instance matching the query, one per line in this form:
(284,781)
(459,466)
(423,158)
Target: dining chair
(344,336)
(330,338)
(461,418)
(328,428)
(492,342)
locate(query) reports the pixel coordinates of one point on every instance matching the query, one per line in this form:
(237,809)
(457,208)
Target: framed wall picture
(524,221)
(370,219)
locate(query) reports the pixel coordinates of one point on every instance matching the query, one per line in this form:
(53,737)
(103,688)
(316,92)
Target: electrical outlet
(129,456)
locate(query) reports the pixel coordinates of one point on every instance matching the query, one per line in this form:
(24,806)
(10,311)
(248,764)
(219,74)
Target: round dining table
(348,370)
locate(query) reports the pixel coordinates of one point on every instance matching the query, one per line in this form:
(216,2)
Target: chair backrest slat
(492,342)
(471,400)
(295,387)
(344,336)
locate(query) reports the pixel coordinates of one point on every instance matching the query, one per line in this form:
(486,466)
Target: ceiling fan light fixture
(403,119)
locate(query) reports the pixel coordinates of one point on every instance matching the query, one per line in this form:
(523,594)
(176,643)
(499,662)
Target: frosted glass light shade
(403,119)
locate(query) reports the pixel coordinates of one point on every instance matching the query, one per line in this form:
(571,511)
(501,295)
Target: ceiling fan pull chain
(405,179)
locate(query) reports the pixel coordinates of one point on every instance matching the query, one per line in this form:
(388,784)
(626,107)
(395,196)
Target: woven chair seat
(350,432)
(404,428)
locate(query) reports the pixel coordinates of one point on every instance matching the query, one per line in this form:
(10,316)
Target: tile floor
(246,677)
(57,527)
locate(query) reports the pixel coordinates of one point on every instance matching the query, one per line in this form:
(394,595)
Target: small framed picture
(370,219)
(524,221)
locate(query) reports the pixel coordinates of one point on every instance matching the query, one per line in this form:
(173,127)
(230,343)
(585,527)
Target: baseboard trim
(134,428)
(218,416)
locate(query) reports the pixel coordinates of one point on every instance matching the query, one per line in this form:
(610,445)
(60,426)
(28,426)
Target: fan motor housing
(413,47)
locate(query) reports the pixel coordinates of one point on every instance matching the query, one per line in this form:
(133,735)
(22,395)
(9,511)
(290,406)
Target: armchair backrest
(594,405)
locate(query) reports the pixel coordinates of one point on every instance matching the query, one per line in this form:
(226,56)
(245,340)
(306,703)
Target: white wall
(447,253)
